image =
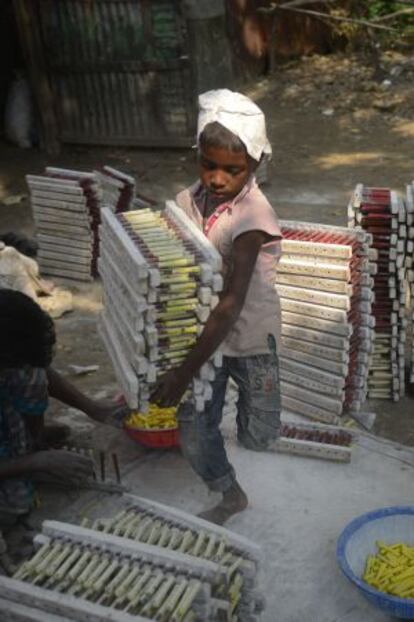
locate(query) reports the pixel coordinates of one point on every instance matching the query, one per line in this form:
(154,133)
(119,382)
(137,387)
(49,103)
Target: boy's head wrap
(239,115)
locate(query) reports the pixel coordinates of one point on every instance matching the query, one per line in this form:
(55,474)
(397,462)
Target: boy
(236,217)
(27,339)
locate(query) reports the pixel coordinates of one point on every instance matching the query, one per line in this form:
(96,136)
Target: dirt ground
(333,122)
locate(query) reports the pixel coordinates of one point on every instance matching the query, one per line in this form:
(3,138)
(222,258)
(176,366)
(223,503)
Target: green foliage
(377,8)
(357,36)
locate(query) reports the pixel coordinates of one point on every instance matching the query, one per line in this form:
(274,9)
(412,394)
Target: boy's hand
(170,388)
(103,411)
(110,413)
(64,466)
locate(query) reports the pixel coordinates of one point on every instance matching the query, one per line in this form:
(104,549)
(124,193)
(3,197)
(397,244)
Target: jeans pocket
(263,384)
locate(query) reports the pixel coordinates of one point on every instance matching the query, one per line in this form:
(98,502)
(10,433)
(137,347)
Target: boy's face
(222,172)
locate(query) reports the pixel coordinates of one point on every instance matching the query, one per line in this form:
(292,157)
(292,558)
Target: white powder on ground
(298,508)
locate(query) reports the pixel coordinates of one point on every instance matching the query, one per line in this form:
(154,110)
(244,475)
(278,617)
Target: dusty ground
(333,122)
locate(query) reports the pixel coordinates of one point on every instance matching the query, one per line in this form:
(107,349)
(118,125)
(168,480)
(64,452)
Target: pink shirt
(248,211)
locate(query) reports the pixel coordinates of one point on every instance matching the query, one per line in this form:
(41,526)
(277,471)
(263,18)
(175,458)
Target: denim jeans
(258,417)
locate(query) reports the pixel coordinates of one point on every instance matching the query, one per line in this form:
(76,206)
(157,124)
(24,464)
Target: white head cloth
(240,115)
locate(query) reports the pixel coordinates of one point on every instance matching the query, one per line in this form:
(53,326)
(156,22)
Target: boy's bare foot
(234,501)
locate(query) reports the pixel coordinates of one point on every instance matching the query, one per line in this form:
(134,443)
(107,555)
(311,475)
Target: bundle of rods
(382,214)
(160,277)
(324,281)
(66,206)
(327,437)
(115,581)
(409,263)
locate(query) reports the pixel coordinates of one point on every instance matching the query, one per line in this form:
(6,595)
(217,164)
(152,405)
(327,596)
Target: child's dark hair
(217,136)
(27,333)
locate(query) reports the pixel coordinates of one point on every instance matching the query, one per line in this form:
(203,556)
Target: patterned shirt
(23,393)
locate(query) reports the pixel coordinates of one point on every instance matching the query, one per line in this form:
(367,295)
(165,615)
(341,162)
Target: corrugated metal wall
(119,71)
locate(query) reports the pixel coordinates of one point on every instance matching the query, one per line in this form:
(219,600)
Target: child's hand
(170,388)
(109,413)
(66,466)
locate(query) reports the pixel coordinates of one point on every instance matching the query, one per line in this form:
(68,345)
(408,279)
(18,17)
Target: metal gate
(119,71)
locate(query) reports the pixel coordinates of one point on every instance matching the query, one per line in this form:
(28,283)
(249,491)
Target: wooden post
(273,43)
(209,48)
(30,38)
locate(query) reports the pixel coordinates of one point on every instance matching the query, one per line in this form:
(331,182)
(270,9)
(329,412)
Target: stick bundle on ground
(315,441)
(381,213)
(160,278)
(325,286)
(66,206)
(149,562)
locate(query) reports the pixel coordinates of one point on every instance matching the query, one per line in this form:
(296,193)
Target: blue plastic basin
(358,540)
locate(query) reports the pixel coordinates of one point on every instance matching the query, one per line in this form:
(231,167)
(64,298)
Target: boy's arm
(15,467)
(99,410)
(172,385)
(64,465)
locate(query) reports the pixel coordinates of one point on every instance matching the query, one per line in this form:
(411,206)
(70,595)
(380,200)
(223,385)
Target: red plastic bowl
(154,438)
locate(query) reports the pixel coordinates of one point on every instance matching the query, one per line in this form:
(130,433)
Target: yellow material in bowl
(391,570)
(155,419)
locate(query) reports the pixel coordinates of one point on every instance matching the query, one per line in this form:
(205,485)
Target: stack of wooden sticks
(409,263)
(118,189)
(66,206)
(147,562)
(380,212)
(324,280)
(160,277)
